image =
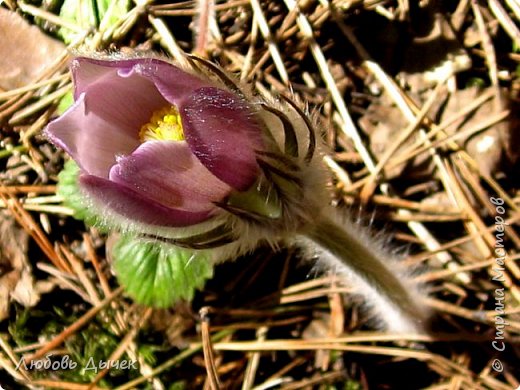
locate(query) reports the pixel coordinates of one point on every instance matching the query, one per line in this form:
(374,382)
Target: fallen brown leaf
(16,279)
(26,53)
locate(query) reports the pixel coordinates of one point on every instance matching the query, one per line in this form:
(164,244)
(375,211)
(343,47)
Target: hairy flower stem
(387,292)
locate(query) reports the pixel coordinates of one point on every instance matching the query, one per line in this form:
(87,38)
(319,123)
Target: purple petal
(88,71)
(171,81)
(119,95)
(170,174)
(89,139)
(223,132)
(106,119)
(130,204)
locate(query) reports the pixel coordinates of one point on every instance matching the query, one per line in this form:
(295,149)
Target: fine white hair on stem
(374,272)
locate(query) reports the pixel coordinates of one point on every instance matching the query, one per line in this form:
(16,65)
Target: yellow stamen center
(164,125)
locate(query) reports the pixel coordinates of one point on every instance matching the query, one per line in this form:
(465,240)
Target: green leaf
(110,11)
(77,12)
(476,82)
(65,102)
(179,385)
(68,189)
(91,14)
(158,274)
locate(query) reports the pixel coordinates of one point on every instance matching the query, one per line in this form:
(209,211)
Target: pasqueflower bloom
(190,158)
(154,143)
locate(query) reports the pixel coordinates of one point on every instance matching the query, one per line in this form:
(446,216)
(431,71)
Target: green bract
(68,189)
(157,274)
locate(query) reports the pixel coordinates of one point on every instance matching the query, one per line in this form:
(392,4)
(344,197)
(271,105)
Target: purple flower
(155,143)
